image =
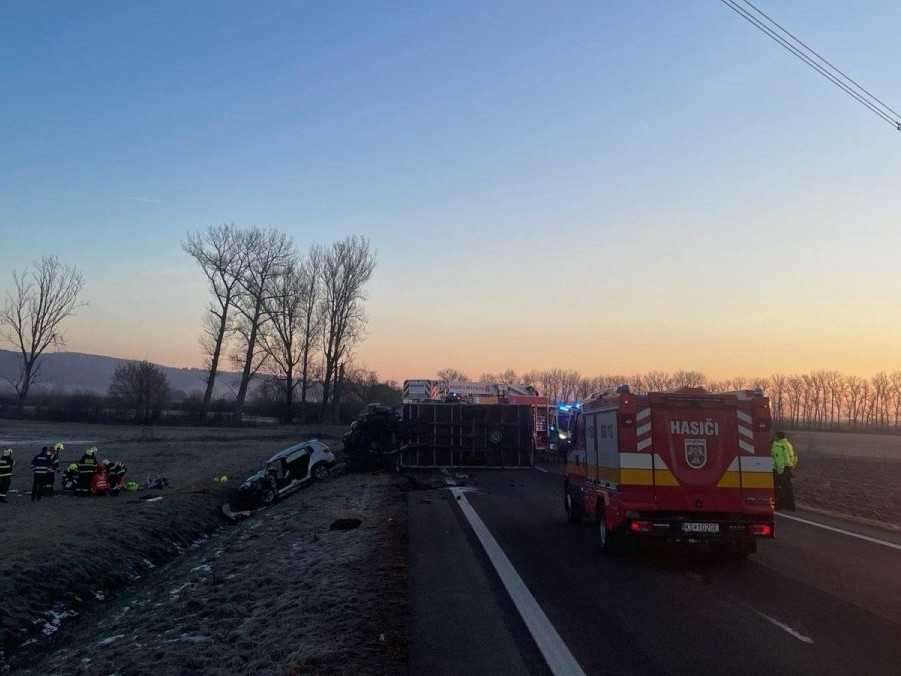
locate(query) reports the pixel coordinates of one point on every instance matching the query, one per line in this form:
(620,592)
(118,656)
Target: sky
(611,187)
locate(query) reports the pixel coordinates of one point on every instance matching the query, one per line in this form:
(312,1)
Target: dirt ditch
(282,592)
(64,555)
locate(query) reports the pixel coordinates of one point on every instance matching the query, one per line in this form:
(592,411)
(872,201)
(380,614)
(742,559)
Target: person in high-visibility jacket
(7,464)
(784,461)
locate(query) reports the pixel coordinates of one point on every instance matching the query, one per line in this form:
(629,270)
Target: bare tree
(284,341)
(268,253)
(222,257)
(44,296)
(452,375)
(311,309)
(689,379)
(346,268)
(141,387)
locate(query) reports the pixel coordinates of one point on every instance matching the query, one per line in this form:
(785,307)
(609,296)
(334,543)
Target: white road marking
(849,533)
(541,469)
(784,627)
(558,657)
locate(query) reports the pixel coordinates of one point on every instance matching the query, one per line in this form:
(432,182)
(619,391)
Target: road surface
(814,601)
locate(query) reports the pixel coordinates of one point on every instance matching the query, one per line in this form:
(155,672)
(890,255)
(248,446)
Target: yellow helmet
(59,447)
(91,452)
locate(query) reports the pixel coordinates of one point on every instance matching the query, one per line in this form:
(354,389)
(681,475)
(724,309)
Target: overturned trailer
(450,434)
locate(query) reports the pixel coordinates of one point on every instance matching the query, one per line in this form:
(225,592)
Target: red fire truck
(687,466)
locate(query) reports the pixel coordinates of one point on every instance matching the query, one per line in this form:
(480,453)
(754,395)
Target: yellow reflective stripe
(729,480)
(757,479)
(636,477)
(664,477)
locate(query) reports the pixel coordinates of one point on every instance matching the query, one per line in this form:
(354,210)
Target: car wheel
(609,540)
(320,472)
(269,497)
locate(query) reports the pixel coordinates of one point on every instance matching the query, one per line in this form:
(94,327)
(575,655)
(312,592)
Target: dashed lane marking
(784,627)
(557,655)
(849,533)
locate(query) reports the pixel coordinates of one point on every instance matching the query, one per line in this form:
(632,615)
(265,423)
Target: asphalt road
(810,602)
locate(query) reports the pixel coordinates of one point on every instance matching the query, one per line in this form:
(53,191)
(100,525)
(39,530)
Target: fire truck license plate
(700,528)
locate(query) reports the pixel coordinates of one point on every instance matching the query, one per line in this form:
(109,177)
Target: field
(85,558)
(853,474)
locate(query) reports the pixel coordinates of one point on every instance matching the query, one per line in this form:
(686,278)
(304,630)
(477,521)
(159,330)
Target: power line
(794,50)
(876,108)
(823,59)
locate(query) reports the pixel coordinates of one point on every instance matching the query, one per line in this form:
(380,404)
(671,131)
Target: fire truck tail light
(640,526)
(761,529)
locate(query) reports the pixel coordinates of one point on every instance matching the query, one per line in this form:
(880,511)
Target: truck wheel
(609,540)
(570,505)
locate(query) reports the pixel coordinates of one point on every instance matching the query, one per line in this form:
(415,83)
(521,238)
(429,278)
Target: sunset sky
(602,186)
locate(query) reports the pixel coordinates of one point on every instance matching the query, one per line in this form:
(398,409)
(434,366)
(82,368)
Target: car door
(300,466)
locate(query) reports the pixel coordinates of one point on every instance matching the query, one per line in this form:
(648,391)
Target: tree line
(273,310)
(819,399)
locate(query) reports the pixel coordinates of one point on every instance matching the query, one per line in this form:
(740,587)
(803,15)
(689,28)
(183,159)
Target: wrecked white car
(284,473)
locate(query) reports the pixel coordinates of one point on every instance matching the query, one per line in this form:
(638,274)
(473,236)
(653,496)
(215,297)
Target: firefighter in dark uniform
(41,467)
(50,479)
(86,468)
(115,476)
(7,463)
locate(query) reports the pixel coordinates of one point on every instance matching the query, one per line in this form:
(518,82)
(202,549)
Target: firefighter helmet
(59,447)
(91,452)
(7,453)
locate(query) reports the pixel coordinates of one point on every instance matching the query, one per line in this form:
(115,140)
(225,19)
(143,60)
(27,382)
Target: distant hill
(69,371)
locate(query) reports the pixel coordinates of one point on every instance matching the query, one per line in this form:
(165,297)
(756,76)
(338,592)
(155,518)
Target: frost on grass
(286,594)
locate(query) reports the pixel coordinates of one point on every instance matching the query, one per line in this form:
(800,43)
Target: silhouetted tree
(141,387)
(43,297)
(222,257)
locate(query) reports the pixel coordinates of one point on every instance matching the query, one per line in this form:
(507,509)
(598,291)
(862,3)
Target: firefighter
(784,462)
(7,463)
(70,478)
(41,466)
(50,478)
(115,476)
(86,468)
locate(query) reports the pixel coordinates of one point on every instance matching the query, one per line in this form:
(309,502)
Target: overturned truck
(455,434)
(442,434)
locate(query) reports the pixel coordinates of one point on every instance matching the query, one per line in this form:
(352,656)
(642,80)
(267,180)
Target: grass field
(64,553)
(847,444)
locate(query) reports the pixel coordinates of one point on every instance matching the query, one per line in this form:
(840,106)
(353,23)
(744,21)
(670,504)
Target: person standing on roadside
(41,466)
(784,462)
(7,464)
(50,480)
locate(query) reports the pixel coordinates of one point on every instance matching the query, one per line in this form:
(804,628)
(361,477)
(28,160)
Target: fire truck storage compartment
(468,435)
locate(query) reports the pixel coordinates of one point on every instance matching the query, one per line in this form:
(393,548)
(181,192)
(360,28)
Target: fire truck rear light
(761,529)
(640,526)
